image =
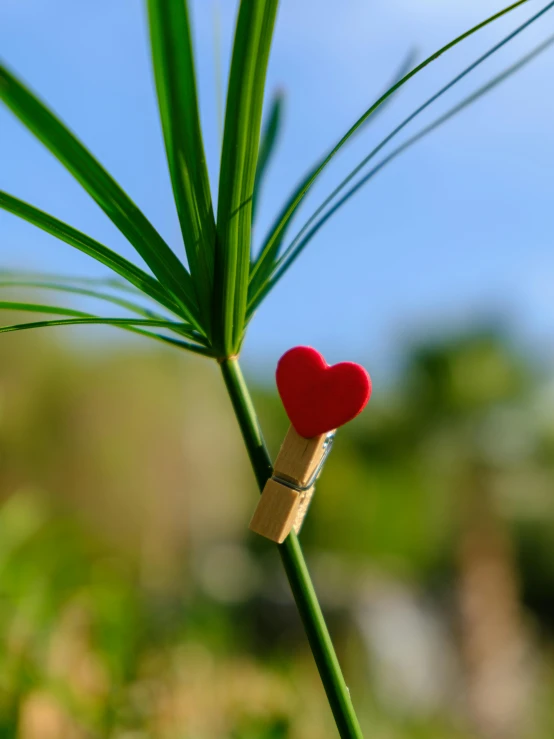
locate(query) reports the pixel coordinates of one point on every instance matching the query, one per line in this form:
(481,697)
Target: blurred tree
(458,391)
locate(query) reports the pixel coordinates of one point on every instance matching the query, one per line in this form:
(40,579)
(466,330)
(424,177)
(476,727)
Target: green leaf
(274,239)
(239,156)
(117,205)
(78,317)
(76,290)
(265,261)
(173,59)
(143,281)
(404,68)
(270,134)
(126,325)
(60,311)
(112,283)
(413,115)
(294,251)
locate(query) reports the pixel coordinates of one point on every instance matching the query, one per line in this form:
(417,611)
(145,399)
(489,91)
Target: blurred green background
(134,602)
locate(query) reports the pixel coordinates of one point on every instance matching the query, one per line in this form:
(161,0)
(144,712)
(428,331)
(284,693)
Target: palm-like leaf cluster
(206,306)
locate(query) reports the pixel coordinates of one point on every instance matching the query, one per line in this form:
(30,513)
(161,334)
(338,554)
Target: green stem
(294,563)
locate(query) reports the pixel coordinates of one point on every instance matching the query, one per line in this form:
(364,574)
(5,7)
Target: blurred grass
(135,603)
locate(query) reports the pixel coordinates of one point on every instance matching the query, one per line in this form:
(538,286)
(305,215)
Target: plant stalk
(290,550)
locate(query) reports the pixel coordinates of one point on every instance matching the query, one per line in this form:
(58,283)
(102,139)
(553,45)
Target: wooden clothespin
(317,399)
(287,495)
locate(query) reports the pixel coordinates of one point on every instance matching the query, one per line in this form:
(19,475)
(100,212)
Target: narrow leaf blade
(239,156)
(137,277)
(117,205)
(132,325)
(175,77)
(265,261)
(294,251)
(414,115)
(275,236)
(81,291)
(112,283)
(268,143)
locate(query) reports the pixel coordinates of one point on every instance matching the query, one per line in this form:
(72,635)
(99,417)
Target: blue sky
(459,227)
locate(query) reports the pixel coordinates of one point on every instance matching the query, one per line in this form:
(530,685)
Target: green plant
(206,307)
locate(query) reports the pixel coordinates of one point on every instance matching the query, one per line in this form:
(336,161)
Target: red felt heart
(318,397)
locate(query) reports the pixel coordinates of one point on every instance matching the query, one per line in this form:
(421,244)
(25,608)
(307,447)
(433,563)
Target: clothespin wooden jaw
(287,495)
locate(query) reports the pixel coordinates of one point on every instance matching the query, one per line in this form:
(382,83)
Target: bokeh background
(134,603)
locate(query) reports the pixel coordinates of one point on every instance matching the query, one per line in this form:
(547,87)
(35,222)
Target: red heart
(319,398)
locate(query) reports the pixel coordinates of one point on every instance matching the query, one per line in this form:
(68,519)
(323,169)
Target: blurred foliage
(134,602)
